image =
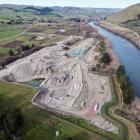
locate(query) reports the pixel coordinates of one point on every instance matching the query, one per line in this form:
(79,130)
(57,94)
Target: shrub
(105,58)
(25,47)
(69,138)
(121,70)
(11,121)
(11,52)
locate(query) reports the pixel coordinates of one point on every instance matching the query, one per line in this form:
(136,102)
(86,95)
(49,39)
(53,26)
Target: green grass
(9,14)
(25,40)
(10,32)
(93,129)
(42,131)
(41,124)
(50,31)
(6,15)
(4,50)
(53,41)
(52,15)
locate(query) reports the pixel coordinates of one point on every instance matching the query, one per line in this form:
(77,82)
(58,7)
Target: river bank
(129,56)
(131,112)
(126,33)
(115,63)
(127,52)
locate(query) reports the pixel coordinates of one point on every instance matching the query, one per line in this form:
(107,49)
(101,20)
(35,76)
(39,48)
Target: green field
(40,124)
(4,50)
(10,32)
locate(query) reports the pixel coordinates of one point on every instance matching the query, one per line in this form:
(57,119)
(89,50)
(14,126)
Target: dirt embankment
(115,63)
(126,33)
(5,60)
(132,113)
(13,44)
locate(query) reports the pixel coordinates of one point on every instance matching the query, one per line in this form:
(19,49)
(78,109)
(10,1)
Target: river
(128,54)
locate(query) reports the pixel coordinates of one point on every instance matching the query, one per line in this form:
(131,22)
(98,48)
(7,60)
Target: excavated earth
(69,87)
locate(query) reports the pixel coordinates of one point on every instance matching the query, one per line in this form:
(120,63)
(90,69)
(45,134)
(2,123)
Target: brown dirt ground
(13,44)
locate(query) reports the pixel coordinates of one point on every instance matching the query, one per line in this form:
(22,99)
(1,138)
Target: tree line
(125,85)
(25,47)
(11,122)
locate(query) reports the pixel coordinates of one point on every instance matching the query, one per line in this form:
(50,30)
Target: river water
(128,54)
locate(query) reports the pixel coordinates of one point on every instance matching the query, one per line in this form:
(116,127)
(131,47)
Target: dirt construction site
(69,86)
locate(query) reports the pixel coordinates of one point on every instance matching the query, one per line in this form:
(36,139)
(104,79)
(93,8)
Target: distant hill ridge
(61,10)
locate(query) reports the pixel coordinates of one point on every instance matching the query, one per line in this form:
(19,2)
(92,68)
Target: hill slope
(129,17)
(9,11)
(84,11)
(15,12)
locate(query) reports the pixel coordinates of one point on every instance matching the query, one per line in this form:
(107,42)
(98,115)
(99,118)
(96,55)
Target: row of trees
(27,47)
(18,21)
(125,85)
(11,122)
(74,19)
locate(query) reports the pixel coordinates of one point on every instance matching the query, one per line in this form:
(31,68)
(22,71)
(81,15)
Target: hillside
(28,12)
(129,17)
(84,11)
